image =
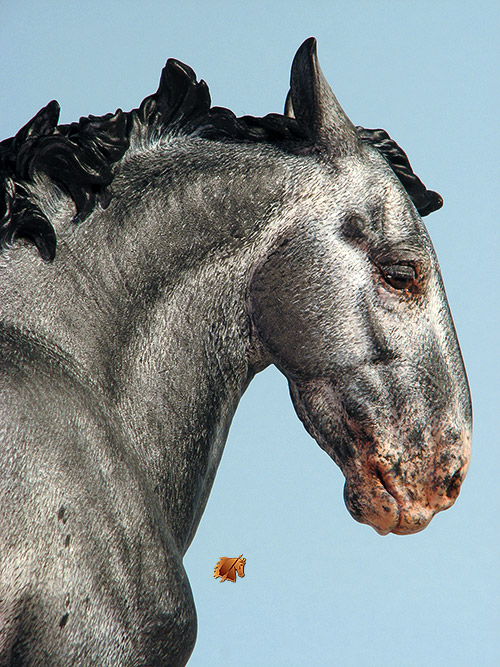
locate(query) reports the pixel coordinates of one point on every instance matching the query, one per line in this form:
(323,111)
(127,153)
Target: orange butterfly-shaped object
(226,568)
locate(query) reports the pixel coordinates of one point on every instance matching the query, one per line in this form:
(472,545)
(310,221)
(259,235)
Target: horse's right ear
(312,102)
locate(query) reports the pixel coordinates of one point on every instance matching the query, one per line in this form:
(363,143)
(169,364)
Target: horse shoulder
(85,553)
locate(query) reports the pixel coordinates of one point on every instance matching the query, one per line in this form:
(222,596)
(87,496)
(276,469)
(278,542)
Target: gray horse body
(124,361)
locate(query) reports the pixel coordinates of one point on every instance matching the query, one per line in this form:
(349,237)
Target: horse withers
(152,263)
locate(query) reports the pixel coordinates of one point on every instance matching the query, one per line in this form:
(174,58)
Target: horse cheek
(290,305)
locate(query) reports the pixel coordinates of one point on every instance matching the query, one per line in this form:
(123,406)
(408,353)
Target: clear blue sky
(321,589)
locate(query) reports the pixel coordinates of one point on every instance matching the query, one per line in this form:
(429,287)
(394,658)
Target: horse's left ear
(312,102)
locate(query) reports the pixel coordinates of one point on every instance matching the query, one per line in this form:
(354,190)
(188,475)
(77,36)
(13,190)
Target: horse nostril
(453,486)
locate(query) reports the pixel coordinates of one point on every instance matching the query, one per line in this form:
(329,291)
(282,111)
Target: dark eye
(399,276)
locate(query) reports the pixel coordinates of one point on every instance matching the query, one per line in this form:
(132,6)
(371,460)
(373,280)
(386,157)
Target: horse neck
(147,300)
(189,364)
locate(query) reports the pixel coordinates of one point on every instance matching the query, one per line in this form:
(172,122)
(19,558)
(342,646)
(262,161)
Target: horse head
(240,566)
(347,300)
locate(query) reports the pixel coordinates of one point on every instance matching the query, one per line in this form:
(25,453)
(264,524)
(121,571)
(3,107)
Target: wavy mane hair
(79,158)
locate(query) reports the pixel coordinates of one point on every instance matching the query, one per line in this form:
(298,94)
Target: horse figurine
(227,568)
(153,262)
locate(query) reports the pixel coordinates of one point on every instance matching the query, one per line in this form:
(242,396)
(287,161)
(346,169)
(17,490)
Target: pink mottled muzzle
(378,494)
(395,482)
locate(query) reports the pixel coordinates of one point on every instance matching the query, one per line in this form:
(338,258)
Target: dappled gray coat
(152,262)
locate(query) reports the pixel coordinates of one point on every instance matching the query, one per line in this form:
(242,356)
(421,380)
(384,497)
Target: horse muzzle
(398,476)
(379,494)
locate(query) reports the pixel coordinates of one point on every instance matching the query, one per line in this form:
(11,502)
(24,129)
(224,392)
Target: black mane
(426,201)
(79,158)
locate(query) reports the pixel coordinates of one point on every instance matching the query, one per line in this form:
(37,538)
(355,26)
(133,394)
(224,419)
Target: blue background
(320,589)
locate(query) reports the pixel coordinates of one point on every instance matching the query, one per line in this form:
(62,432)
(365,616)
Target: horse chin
(368,501)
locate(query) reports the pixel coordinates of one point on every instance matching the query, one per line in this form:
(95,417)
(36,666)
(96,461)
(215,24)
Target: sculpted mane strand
(79,158)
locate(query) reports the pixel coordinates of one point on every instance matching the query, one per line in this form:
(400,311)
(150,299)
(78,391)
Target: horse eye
(399,276)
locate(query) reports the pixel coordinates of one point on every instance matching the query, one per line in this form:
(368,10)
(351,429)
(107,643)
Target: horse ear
(312,102)
(289,105)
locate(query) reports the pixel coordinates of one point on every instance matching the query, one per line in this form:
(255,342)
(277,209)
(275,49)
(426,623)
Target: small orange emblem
(226,568)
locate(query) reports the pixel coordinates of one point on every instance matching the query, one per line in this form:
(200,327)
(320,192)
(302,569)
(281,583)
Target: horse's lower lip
(413,522)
